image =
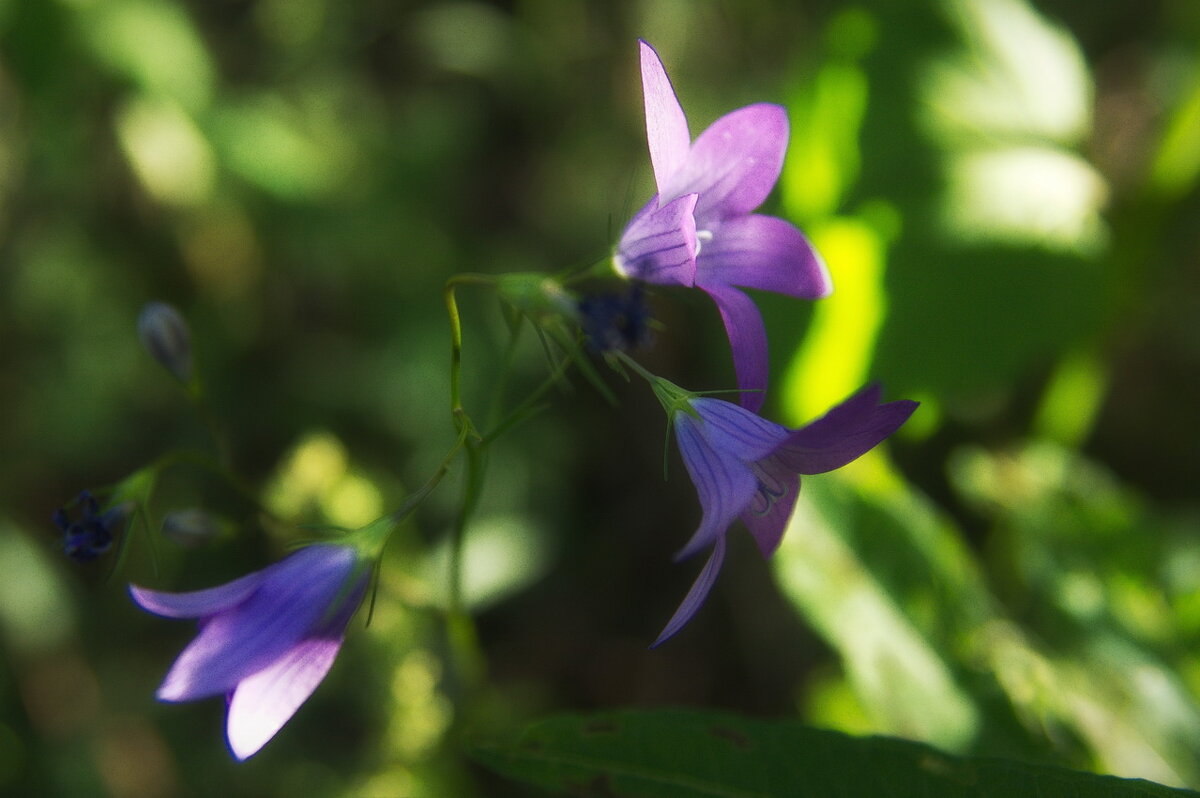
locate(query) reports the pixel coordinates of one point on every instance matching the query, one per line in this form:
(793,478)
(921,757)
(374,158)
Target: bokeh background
(1005,193)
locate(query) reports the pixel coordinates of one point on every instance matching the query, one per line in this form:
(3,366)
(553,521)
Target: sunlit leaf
(1087,561)
(841,337)
(168,154)
(904,684)
(1177,162)
(1018,75)
(1007,107)
(153,43)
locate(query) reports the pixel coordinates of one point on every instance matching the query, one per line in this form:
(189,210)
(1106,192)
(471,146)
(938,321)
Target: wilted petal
(659,245)
(766,253)
(243,640)
(197,603)
(744,434)
(724,484)
(734,164)
(845,433)
(666,126)
(262,703)
(747,339)
(697,594)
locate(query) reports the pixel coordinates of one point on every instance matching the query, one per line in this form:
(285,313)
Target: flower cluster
(699,231)
(267,639)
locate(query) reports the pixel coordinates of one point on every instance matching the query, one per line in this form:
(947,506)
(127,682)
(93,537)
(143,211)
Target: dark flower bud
(164,334)
(615,321)
(190,527)
(92,534)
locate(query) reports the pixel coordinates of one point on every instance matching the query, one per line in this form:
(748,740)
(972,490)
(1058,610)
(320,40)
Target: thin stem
(476,469)
(196,394)
(455,349)
(456,406)
(217,467)
(510,353)
(419,495)
(467,436)
(633,364)
(494,431)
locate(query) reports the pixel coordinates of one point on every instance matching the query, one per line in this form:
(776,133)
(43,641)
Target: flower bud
(92,534)
(615,322)
(190,527)
(164,334)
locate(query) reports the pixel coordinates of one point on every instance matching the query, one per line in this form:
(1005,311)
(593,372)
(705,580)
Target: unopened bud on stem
(164,334)
(191,526)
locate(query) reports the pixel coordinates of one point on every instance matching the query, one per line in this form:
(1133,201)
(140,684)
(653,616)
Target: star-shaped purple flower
(746,467)
(266,640)
(699,229)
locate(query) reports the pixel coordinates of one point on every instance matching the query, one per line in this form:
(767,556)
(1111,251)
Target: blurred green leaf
(874,619)
(691,753)
(153,44)
(1090,569)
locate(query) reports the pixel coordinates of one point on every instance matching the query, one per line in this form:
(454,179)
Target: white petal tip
(171,692)
(245,739)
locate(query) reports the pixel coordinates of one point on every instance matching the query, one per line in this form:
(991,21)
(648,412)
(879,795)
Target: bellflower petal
(696,595)
(747,340)
(730,168)
(266,639)
(734,163)
(261,704)
(724,483)
(844,433)
(198,603)
(729,428)
(666,126)
(746,467)
(659,245)
(243,639)
(766,253)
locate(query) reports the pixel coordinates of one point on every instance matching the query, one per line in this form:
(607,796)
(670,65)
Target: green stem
(476,468)
(637,367)
(461,419)
(215,466)
(494,431)
(510,354)
(210,420)
(419,495)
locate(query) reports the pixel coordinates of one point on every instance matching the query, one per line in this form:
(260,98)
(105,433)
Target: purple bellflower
(699,229)
(746,467)
(266,640)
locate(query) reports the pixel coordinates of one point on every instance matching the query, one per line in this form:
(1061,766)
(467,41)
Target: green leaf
(701,753)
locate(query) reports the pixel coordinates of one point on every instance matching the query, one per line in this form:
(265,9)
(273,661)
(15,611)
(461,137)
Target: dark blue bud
(615,321)
(164,334)
(93,533)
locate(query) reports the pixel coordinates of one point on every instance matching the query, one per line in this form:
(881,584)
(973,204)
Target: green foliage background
(1005,193)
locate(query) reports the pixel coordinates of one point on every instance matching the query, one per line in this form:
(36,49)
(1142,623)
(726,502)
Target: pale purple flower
(266,640)
(746,467)
(699,229)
